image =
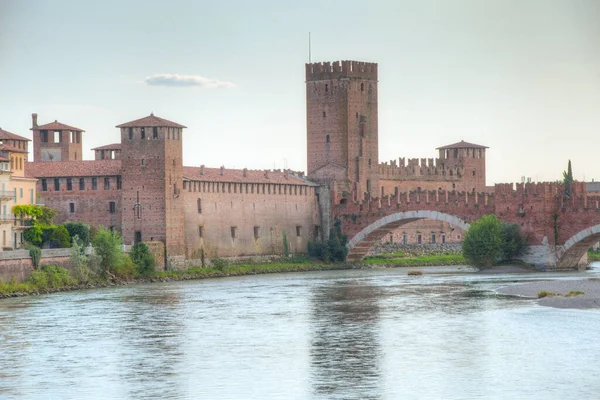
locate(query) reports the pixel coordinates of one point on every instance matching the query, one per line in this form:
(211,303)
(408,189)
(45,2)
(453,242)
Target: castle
(141,188)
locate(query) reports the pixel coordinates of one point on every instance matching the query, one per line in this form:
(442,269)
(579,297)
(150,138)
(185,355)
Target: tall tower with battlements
(152,176)
(342,134)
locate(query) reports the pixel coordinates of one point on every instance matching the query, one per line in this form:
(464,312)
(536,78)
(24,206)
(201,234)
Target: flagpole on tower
(309,49)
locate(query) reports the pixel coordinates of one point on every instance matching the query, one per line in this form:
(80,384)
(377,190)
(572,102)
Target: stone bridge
(559,229)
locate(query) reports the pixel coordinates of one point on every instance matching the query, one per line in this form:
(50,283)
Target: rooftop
(56,126)
(151,120)
(11,136)
(237,175)
(463,145)
(12,149)
(59,169)
(114,146)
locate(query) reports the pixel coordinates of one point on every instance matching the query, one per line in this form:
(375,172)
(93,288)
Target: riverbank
(576,293)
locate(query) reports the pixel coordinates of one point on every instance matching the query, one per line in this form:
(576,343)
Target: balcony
(21,223)
(7,195)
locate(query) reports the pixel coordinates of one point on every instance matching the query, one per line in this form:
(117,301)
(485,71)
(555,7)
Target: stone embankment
(558,291)
(416,249)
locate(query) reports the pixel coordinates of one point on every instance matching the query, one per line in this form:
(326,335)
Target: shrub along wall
(18,265)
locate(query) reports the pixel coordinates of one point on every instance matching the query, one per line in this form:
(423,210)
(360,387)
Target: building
(142,188)
(15,188)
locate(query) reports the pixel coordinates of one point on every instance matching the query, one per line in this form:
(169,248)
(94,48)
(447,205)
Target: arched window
(326,88)
(327,139)
(199,206)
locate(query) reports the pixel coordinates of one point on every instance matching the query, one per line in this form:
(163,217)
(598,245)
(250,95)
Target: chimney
(202,169)
(34,123)
(222,170)
(245,172)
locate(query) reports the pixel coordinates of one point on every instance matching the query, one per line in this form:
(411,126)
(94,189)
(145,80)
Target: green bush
(513,244)
(333,249)
(80,229)
(107,246)
(60,237)
(218,263)
(142,258)
(33,235)
(50,277)
(482,243)
(79,262)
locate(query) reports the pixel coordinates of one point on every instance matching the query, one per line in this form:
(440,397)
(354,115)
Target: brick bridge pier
(559,229)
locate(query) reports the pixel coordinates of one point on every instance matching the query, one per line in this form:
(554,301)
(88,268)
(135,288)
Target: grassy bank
(49,279)
(399,259)
(593,255)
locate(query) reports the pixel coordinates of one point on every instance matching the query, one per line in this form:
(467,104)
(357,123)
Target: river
(358,334)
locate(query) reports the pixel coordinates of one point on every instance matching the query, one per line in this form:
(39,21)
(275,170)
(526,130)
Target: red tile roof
(12,149)
(58,169)
(114,146)
(237,175)
(56,126)
(151,120)
(4,159)
(11,136)
(462,145)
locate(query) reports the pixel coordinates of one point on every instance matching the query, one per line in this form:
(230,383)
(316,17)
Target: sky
(519,76)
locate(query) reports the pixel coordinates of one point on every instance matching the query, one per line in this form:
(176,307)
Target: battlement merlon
(341,69)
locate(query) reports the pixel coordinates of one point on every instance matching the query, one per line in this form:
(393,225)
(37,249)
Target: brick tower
(342,135)
(55,141)
(152,179)
(470,158)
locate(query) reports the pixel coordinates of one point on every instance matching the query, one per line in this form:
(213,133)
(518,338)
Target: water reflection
(345,349)
(151,353)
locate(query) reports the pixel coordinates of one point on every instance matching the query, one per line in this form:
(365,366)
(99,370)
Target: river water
(360,334)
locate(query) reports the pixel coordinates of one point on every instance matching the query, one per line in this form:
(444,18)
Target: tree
(513,243)
(33,235)
(142,258)
(333,249)
(107,245)
(568,179)
(79,229)
(482,244)
(60,237)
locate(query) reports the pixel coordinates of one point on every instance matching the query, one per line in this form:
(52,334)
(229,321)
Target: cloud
(176,80)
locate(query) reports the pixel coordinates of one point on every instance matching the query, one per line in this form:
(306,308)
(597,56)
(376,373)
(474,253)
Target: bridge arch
(361,243)
(577,246)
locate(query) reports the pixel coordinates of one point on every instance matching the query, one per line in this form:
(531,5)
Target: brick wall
(244,207)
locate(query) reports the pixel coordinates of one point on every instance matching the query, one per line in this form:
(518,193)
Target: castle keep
(141,188)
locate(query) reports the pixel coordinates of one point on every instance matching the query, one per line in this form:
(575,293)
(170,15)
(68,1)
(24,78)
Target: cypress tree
(568,179)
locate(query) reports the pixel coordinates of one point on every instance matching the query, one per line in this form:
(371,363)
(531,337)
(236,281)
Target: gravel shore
(590,288)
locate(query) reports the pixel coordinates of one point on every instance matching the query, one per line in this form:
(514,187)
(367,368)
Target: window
(473,172)
(256,232)
(71,208)
(31,196)
(443,238)
(324,114)
(106,183)
(143,162)
(298,230)
(233,232)
(94,183)
(69,184)
(44,135)
(130,133)
(199,203)
(81,183)
(57,137)
(44,185)
(119,184)
(56,184)
(327,139)
(112,207)
(138,236)
(155,132)
(143,134)
(419,240)
(21,193)
(201,231)
(404,238)
(433,238)
(326,88)
(362,87)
